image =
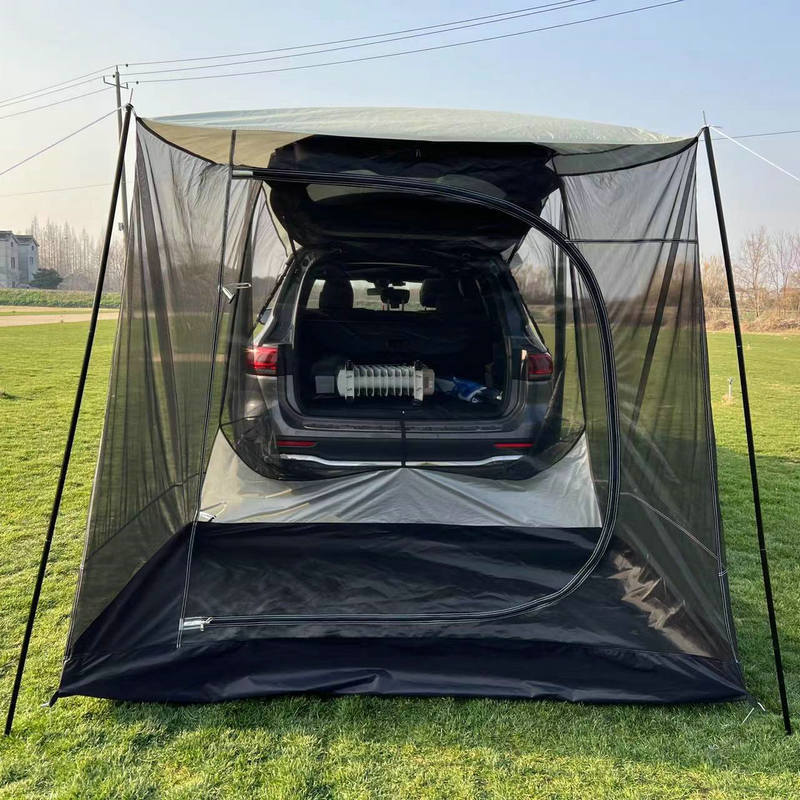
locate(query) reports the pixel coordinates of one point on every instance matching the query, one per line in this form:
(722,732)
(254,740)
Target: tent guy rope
(757,155)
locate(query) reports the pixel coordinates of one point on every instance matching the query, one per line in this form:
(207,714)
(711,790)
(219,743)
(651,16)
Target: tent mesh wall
(409,580)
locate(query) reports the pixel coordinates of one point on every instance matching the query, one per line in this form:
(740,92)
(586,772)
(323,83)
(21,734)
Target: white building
(19,259)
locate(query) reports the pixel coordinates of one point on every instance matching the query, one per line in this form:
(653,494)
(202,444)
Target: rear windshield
(363,299)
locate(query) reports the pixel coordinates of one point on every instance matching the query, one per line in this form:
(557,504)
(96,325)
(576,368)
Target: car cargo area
(380,342)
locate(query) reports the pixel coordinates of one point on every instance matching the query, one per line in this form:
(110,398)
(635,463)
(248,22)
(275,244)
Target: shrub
(55,298)
(46,279)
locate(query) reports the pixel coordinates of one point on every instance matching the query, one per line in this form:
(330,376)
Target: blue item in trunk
(468,391)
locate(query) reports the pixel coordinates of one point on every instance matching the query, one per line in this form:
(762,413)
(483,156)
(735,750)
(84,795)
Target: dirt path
(12,320)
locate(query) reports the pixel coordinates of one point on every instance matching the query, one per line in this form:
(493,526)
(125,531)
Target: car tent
(212,571)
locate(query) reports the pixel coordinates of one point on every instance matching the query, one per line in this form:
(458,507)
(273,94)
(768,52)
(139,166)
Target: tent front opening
(402,416)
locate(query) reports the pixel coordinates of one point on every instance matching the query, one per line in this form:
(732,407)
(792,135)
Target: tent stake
(748,426)
(48,541)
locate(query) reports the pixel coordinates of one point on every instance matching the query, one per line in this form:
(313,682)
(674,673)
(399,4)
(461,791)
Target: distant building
(19,259)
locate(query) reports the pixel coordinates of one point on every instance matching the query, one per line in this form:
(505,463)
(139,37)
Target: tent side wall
(146,487)
(642,245)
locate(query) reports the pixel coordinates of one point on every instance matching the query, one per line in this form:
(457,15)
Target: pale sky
(659,69)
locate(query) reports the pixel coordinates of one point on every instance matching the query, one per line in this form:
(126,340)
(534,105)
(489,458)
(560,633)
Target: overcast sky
(659,69)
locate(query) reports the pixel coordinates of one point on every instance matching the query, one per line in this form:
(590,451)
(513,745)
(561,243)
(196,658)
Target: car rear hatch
(316,214)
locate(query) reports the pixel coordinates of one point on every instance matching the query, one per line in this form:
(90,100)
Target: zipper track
(609,380)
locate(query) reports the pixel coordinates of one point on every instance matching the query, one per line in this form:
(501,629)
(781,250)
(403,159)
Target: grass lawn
(358,747)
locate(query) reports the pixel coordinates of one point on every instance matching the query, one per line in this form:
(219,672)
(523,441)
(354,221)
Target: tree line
(76,256)
(766,268)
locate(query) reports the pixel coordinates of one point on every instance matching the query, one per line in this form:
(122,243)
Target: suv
(395,357)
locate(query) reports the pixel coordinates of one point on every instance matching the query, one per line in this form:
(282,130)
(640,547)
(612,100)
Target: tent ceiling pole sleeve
(207,414)
(748,426)
(48,541)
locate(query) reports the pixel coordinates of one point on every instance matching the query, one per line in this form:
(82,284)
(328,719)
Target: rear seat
(452,338)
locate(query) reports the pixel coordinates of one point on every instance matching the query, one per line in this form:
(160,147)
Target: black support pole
(87,354)
(748,426)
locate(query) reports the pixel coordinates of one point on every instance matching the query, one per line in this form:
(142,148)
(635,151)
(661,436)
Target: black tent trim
(397,665)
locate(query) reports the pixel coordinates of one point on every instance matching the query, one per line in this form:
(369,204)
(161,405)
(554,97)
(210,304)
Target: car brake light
(539,365)
(513,445)
(296,443)
(263,360)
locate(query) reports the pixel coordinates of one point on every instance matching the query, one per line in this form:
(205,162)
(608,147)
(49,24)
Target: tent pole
(748,426)
(72,425)
(124,183)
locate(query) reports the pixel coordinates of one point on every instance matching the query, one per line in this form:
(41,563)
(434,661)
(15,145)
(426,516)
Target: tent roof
(428,124)
(261,131)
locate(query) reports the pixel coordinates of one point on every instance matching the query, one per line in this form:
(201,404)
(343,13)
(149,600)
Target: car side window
(316,289)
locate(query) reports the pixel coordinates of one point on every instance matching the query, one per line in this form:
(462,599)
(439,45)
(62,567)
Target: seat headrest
(450,298)
(429,292)
(336,295)
(468,287)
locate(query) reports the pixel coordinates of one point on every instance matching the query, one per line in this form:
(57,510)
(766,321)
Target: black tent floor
(314,569)
(462,667)
(129,652)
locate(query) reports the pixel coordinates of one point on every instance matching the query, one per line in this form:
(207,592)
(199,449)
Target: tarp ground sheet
(409,581)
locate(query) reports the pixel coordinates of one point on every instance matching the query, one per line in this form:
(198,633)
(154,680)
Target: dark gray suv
(400,358)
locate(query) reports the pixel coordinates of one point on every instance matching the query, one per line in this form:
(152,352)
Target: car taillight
(263,360)
(539,366)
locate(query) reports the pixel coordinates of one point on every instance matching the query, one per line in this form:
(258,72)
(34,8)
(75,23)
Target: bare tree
(76,256)
(784,263)
(715,286)
(116,266)
(752,267)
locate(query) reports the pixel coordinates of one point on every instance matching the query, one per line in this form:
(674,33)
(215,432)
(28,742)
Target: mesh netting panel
(642,246)
(146,483)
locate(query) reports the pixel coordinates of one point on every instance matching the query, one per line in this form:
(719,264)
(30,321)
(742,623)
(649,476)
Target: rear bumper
(320,446)
(303,446)
(337,463)
(333,453)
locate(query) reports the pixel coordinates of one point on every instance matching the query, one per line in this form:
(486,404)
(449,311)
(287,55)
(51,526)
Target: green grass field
(357,747)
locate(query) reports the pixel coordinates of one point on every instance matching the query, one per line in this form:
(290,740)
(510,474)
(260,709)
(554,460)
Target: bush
(55,298)
(46,279)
